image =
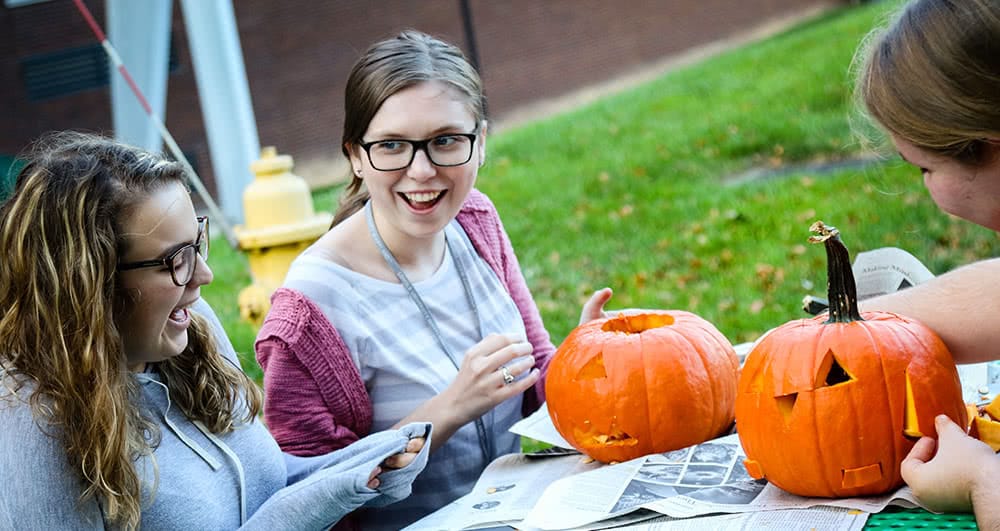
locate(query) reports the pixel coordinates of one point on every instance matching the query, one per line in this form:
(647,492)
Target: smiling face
(415,203)
(971,192)
(154,321)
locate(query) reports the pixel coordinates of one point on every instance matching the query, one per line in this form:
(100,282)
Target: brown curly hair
(61,231)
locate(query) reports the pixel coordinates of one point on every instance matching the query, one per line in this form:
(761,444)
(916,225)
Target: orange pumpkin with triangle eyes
(645,383)
(830,406)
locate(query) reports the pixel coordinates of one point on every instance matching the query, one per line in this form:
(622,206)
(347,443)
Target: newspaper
(702,480)
(887,270)
(784,519)
(507,490)
(701,487)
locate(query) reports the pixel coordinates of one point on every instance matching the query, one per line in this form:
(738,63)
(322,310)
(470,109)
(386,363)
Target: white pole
(141,31)
(224,94)
(193,178)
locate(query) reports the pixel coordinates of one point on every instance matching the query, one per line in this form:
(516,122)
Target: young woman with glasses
(122,403)
(413,306)
(931,80)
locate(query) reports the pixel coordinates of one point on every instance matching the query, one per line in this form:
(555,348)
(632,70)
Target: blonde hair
(388,67)
(62,236)
(932,77)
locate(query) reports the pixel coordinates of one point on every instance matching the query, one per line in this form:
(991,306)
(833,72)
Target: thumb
(594,307)
(946,428)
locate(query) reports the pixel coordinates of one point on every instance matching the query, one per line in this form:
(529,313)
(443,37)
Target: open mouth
(180,316)
(422,200)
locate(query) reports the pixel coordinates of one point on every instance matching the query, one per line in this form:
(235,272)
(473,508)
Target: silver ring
(508,378)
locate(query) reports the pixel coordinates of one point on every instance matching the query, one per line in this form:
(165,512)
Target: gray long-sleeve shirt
(235,480)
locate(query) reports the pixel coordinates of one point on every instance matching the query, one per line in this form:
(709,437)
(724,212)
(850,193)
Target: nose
(421,167)
(202,273)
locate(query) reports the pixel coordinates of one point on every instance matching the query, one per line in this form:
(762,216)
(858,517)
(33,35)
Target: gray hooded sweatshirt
(240,479)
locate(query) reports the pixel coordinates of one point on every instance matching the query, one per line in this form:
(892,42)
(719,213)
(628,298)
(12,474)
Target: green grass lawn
(636,191)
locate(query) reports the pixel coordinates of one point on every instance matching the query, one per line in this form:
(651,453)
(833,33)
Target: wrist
(983,491)
(448,408)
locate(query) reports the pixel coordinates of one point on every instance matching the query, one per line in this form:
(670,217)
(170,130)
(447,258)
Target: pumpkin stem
(841,289)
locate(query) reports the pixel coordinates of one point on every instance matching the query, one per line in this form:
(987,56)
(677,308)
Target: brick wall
(298,53)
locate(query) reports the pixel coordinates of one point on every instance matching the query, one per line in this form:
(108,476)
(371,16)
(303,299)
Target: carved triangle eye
(831,372)
(593,370)
(837,375)
(786,404)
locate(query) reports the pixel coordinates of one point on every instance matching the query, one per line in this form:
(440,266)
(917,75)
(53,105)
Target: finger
(415,445)
(921,452)
(507,354)
(399,460)
(519,366)
(373,477)
(374,483)
(519,386)
(946,428)
(493,343)
(594,307)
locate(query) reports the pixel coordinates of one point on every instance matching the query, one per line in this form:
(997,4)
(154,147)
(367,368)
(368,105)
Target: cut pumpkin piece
(993,409)
(986,430)
(972,412)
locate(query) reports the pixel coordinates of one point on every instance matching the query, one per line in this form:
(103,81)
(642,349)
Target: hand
(480,384)
(396,461)
(951,478)
(594,307)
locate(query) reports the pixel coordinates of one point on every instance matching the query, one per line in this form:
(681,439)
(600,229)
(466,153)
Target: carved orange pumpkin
(830,406)
(632,385)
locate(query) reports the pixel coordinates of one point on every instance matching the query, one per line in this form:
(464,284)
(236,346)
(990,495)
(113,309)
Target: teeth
(421,197)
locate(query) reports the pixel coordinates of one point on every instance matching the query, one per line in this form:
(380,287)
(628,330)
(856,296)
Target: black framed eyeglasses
(453,149)
(182,262)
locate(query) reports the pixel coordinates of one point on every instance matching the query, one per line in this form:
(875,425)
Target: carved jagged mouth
(614,438)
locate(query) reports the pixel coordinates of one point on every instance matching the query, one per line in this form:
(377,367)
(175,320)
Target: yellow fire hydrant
(280,224)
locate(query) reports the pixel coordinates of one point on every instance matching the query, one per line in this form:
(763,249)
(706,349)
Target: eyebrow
(904,158)
(443,130)
(170,250)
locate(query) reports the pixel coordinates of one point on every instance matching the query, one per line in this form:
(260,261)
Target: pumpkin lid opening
(637,323)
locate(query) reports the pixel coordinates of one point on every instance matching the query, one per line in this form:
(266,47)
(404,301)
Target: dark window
(71,70)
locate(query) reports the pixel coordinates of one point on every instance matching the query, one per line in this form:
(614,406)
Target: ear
(354,153)
(481,140)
